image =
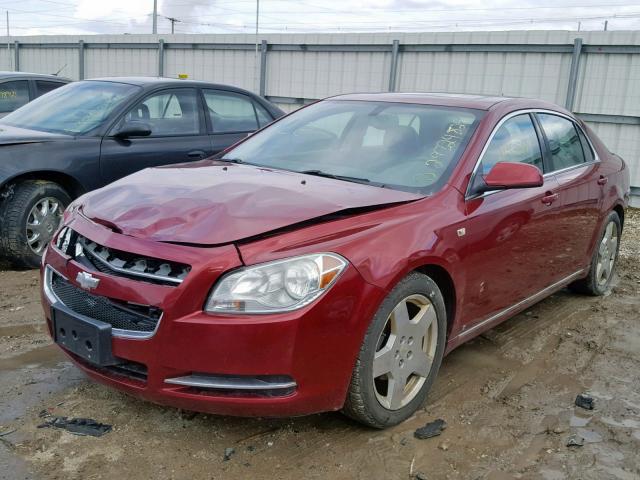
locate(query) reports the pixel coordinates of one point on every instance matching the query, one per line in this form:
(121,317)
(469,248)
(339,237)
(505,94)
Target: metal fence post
(573,74)
(16,52)
(160,58)
(393,71)
(263,68)
(81,60)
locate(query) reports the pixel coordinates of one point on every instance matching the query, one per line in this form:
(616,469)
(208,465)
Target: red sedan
(331,260)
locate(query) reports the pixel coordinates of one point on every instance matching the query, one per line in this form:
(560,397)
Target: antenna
(56,74)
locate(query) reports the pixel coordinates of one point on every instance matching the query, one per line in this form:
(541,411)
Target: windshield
(74,109)
(402,146)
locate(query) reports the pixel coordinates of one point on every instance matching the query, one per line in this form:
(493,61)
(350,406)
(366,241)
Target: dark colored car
(19,88)
(90,133)
(331,260)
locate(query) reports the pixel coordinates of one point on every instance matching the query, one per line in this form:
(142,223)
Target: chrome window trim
(115,332)
(596,158)
(533,298)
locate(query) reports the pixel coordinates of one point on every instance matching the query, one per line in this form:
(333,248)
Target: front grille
(120,315)
(118,263)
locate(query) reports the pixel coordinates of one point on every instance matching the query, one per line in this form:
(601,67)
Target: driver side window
(168,113)
(515,141)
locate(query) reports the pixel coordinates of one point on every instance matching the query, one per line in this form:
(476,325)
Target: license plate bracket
(86,337)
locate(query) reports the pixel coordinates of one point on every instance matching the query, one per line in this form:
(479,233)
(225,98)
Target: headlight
(278,286)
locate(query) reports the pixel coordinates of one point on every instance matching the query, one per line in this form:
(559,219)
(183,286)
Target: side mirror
(507,175)
(134,128)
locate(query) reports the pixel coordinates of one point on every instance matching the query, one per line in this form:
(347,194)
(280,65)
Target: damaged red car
(331,260)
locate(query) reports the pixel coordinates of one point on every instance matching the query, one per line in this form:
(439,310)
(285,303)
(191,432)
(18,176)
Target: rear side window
(42,87)
(230,112)
(565,145)
(586,147)
(13,95)
(515,141)
(263,117)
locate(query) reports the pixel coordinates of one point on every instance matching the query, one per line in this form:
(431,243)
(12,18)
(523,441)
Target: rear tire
(30,213)
(408,346)
(604,260)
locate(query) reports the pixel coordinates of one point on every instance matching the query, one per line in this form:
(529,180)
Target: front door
(178,134)
(511,248)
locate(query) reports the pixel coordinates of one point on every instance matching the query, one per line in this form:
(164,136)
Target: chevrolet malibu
(331,260)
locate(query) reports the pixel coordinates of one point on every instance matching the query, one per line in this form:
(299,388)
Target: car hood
(212,202)
(13,135)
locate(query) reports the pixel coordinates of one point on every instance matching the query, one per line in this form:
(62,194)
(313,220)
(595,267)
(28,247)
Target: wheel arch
(619,209)
(445,283)
(73,187)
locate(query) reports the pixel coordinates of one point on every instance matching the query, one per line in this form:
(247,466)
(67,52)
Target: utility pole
(173,22)
(155,16)
(255,57)
(9,44)
(606,25)
(579,25)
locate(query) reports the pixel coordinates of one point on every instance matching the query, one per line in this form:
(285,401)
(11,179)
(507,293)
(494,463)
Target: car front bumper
(284,364)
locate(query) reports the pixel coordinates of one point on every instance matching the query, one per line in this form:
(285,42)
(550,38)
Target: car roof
(45,76)
(163,81)
(478,102)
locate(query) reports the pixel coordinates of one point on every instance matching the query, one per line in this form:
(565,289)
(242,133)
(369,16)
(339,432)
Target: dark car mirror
(507,175)
(134,128)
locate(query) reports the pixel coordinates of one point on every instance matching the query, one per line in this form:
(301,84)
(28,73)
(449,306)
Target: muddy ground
(507,398)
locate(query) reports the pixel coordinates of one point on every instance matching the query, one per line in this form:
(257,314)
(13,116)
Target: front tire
(30,213)
(603,262)
(400,355)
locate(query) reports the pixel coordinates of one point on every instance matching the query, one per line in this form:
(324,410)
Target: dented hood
(212,202)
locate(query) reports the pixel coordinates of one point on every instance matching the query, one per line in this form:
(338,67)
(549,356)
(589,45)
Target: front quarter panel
(75,157)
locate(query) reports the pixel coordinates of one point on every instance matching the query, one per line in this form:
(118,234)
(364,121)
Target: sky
(81,17)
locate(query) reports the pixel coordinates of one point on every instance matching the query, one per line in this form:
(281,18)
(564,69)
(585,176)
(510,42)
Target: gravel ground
(507,398)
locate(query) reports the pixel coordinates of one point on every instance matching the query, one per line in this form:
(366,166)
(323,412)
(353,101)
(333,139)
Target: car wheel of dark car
(30,214)
(604,259)
(400,355)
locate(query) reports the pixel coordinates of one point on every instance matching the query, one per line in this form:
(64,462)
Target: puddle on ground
(625,422)
(578,421)
(589,435)
(47,355)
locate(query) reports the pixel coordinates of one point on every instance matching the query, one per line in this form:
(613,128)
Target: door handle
(603,180)
(196,154)
(549,198)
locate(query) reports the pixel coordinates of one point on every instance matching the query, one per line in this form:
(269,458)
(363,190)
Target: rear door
(510,246)
(574,165)
(178,134)
(232,116)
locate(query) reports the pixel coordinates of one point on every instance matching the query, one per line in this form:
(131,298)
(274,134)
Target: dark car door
(178,134)
(232,116)
(573,163)
(511,248)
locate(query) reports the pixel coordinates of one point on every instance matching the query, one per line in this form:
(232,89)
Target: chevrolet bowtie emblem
(87,281)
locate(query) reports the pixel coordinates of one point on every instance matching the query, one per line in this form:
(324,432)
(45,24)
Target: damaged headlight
(278,286)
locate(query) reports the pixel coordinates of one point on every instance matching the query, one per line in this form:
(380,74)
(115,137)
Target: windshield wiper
(231,160)
(320,173)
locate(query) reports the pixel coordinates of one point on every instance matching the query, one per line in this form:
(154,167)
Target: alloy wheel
(405,352)
(607,253)
(42,222)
